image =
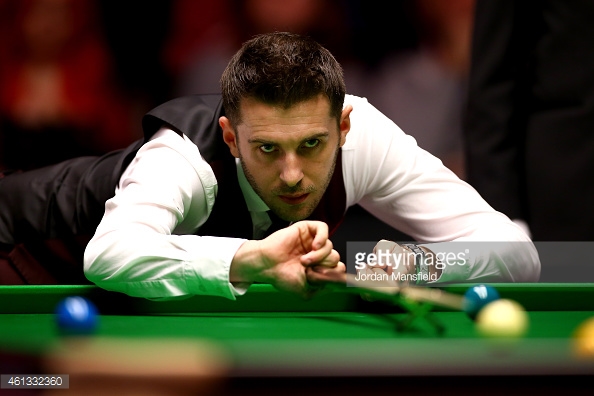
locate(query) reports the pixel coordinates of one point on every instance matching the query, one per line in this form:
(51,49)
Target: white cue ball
(502,318)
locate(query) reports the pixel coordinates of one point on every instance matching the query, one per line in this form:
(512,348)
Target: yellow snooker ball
(502,318)
(583,339)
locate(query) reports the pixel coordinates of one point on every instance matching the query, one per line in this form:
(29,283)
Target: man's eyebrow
(319,135)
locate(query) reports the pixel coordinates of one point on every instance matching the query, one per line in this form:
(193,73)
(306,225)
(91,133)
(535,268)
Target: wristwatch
(422,269)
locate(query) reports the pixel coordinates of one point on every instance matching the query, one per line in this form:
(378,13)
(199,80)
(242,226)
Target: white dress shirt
(148,243)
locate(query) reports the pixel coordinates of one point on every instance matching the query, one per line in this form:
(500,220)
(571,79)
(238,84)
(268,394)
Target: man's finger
(320,275)
(325,256)
(319,230)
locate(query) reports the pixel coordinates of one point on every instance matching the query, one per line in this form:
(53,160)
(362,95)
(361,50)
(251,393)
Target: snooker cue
(382,289)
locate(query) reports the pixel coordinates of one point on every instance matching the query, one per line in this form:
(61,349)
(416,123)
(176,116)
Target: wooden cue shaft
(415,293)
(434,296)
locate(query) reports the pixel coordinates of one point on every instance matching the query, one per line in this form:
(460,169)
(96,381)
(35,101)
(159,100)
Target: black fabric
(62,200)
(530,120)
(277,223)
(196,116)
(48,215)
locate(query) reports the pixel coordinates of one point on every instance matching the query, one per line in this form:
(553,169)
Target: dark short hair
(282,69)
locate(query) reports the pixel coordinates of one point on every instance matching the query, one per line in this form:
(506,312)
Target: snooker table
(269,342)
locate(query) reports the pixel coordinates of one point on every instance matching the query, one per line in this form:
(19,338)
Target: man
(530,114)
(194,202)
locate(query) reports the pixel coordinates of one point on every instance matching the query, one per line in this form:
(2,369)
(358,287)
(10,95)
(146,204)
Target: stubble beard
(281,212)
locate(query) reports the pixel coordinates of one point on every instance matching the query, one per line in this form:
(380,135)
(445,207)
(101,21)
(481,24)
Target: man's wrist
(421,268)
(427,264)
(435,269)
(246,264)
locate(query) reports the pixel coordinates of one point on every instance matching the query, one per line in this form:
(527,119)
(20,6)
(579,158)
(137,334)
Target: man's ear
(345,123)
(229,136)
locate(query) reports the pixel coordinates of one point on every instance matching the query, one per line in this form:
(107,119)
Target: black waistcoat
(197,117)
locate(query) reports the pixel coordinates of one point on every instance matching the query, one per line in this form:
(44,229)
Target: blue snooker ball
(77,316)
(477,297)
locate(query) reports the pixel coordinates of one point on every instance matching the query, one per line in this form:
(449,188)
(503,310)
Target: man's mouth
(294,199)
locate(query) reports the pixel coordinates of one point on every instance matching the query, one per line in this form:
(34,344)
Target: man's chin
(293,215)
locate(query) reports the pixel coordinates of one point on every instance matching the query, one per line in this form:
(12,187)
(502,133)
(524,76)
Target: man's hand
(394,262)
(393,259)
(399,262)
(283,258)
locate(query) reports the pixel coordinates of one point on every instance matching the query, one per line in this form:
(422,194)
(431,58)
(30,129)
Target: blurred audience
(205,34)
(135,31)
(421,84)
(58,96)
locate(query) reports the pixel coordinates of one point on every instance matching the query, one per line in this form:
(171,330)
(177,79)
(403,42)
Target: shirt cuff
(454,261)
(207,272)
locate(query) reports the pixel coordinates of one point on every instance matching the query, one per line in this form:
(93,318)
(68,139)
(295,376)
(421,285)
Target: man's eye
(267,148)
(312,143)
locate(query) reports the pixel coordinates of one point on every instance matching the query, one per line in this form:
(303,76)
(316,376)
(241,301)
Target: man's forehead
(305,118)
(252,108)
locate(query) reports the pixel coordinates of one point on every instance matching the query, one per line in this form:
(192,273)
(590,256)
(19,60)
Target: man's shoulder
(185,114)
(363,110)
(367,122)
(355,100)
(358,116)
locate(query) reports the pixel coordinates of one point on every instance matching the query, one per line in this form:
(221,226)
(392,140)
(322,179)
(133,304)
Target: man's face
(288,155)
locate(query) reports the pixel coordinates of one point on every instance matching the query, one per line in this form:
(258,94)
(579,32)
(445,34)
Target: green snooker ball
(477,297)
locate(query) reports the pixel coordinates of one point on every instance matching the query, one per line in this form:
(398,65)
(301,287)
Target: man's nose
(291,172)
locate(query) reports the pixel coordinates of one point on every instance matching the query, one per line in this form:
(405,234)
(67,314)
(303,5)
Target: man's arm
(411,190)
(283,258)
(145,244)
